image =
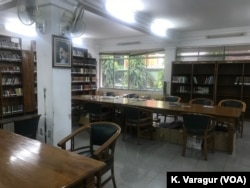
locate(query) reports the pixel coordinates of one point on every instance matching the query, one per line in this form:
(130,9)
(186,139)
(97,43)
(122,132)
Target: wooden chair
(168,99)
(202,127)
(27,127)
(100,145)
(138,118)
(204,101)
(99,112)
(236,104)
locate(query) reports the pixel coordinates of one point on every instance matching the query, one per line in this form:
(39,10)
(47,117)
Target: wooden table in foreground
(29,163)
(228,114)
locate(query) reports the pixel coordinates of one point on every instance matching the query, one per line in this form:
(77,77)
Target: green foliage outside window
(142,72)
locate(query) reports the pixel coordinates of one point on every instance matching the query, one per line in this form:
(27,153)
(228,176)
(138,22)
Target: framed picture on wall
(61,47)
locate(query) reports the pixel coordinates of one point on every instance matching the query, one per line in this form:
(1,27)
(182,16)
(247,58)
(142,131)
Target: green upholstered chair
(99,112)
(234,103)
(202,127)
(99,144)
(27,127)
(139,119)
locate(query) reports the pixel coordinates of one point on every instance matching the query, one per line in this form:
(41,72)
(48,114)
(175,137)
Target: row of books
(12,92)
(208,80)
(10,56)
(12,69)
(201,90)
(12,109)
(183,89)
(180,79)
(11,81)
(85,62)
(198,90)
(8,43)
(80,52)
(84,79)
(83,71)
(83,87)
(242,80)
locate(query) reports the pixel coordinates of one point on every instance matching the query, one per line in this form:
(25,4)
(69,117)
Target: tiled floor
(146,165)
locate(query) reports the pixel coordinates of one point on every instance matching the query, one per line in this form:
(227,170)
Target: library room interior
(118,93)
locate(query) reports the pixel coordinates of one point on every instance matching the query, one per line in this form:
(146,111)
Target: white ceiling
(186,15)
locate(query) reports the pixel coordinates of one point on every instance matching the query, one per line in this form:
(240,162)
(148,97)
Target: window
(215,53)
(137,72)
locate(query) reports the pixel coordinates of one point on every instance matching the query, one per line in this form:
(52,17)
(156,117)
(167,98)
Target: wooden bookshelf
(17,78)
(216,80)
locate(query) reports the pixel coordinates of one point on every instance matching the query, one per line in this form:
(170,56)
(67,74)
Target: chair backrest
(172,98)
(196,124)
(233,103)
(94,107)
(131,113)
(204,101)
(99,112)
(137,115)
(104,134)
(27,127)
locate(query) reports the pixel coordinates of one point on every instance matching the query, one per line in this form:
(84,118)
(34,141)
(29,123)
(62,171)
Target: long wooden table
(29,163)
(228,114)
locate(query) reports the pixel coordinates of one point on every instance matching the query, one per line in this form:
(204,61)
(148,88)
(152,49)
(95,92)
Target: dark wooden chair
(99,112)
(99,143)
(235,103)
(27,127)
(204,101)
(200,126)
(170,98)
(138,118)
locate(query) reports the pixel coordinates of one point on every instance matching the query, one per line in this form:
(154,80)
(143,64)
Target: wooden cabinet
(17,79)
(83,73)
(229,80)
(216,80)
(192,80)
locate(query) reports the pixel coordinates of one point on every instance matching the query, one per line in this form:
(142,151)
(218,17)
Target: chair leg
(124,133)
(184,144)
(205,149)
(241,129)
(113,177)
(213,140)
(138,135)
(98,180)
(165,118)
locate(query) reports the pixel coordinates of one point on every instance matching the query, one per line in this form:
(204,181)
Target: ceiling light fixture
(124,10)
(215,36)
(160,27)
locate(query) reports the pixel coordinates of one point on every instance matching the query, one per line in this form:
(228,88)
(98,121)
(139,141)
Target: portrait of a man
(62,52)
